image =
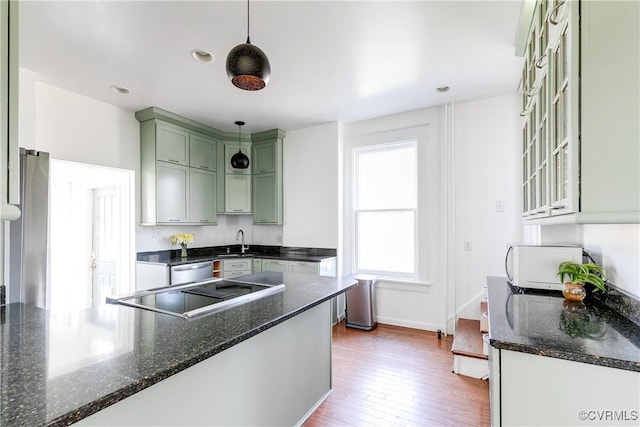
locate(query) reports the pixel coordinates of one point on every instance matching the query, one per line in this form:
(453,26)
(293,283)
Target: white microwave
(536,266)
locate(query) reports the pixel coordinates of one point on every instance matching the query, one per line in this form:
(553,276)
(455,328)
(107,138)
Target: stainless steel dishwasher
(193,272)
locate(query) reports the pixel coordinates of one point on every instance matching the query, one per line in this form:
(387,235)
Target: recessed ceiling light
(442,89)
(202,55)
(120,89)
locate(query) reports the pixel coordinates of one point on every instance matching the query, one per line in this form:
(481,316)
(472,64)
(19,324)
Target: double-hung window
(386,209)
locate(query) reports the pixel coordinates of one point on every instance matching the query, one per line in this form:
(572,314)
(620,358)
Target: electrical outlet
(499,206)
(467,245)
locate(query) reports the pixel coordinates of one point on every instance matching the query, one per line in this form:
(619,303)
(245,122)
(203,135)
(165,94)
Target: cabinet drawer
(274,265)
(304,267)
(237,265)
(236,273)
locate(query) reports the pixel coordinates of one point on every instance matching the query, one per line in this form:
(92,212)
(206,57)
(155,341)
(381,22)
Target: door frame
(82,179)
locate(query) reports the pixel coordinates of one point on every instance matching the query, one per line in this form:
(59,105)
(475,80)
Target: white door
(106,232)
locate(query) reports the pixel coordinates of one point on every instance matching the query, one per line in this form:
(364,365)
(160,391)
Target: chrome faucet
(239,234)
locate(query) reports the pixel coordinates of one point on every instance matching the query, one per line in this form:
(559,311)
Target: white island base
(277,377)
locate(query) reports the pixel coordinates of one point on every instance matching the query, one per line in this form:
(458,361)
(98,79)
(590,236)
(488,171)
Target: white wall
(487,171)
(312,187)
(73,127)
(80,129)
(615,246)
(224,233)
(468,161)
(417,304)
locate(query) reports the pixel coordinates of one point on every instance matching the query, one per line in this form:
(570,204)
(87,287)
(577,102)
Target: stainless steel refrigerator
(29,234)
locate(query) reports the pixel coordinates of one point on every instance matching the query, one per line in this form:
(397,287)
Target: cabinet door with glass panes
(535,119)
(549,133)
(563,111)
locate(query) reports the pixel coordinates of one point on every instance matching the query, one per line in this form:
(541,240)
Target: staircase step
(467,340)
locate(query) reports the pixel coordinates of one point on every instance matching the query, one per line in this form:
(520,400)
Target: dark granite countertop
(59,368)
(542,323)
(172,257)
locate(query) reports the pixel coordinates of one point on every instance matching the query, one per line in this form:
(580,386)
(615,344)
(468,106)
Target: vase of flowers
(183,239)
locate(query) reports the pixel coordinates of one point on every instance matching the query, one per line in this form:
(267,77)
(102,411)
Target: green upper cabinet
(265,157)
(237,182)
(267,177)
(187,178)
(172,189)
(178,170)
(237,196)
(267,200)
(202,151)
(172,144)
(202,196)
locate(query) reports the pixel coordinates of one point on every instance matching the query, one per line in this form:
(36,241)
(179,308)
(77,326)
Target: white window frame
(355,210)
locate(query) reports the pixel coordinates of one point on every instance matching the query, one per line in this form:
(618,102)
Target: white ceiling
(330,60)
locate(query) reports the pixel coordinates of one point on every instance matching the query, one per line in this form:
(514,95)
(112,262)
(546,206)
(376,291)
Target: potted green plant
(577,275)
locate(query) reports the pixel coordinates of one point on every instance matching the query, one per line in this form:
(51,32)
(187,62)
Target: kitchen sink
(197,299)
(244,255)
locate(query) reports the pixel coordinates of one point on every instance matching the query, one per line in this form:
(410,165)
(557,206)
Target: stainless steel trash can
(361,303)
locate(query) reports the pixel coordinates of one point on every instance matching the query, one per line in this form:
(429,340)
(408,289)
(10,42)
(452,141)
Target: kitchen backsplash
(625,304)
(162,256)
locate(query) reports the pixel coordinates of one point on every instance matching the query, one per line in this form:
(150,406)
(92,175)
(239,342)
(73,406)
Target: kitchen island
(555,362)
(265,362)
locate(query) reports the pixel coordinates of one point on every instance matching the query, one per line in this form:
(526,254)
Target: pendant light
(239,160)
(247,65)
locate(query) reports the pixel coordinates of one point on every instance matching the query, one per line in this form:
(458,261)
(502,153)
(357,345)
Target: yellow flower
(181,238)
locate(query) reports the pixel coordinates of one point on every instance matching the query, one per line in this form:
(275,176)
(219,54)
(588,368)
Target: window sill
(403,285)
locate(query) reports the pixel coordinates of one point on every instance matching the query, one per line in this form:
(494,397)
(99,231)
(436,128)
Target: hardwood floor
(398,376)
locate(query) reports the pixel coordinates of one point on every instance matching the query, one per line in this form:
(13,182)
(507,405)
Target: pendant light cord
(248,40)
(239,138)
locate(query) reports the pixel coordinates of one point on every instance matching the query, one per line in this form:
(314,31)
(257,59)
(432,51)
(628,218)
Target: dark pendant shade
(248,67)
(239,160)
